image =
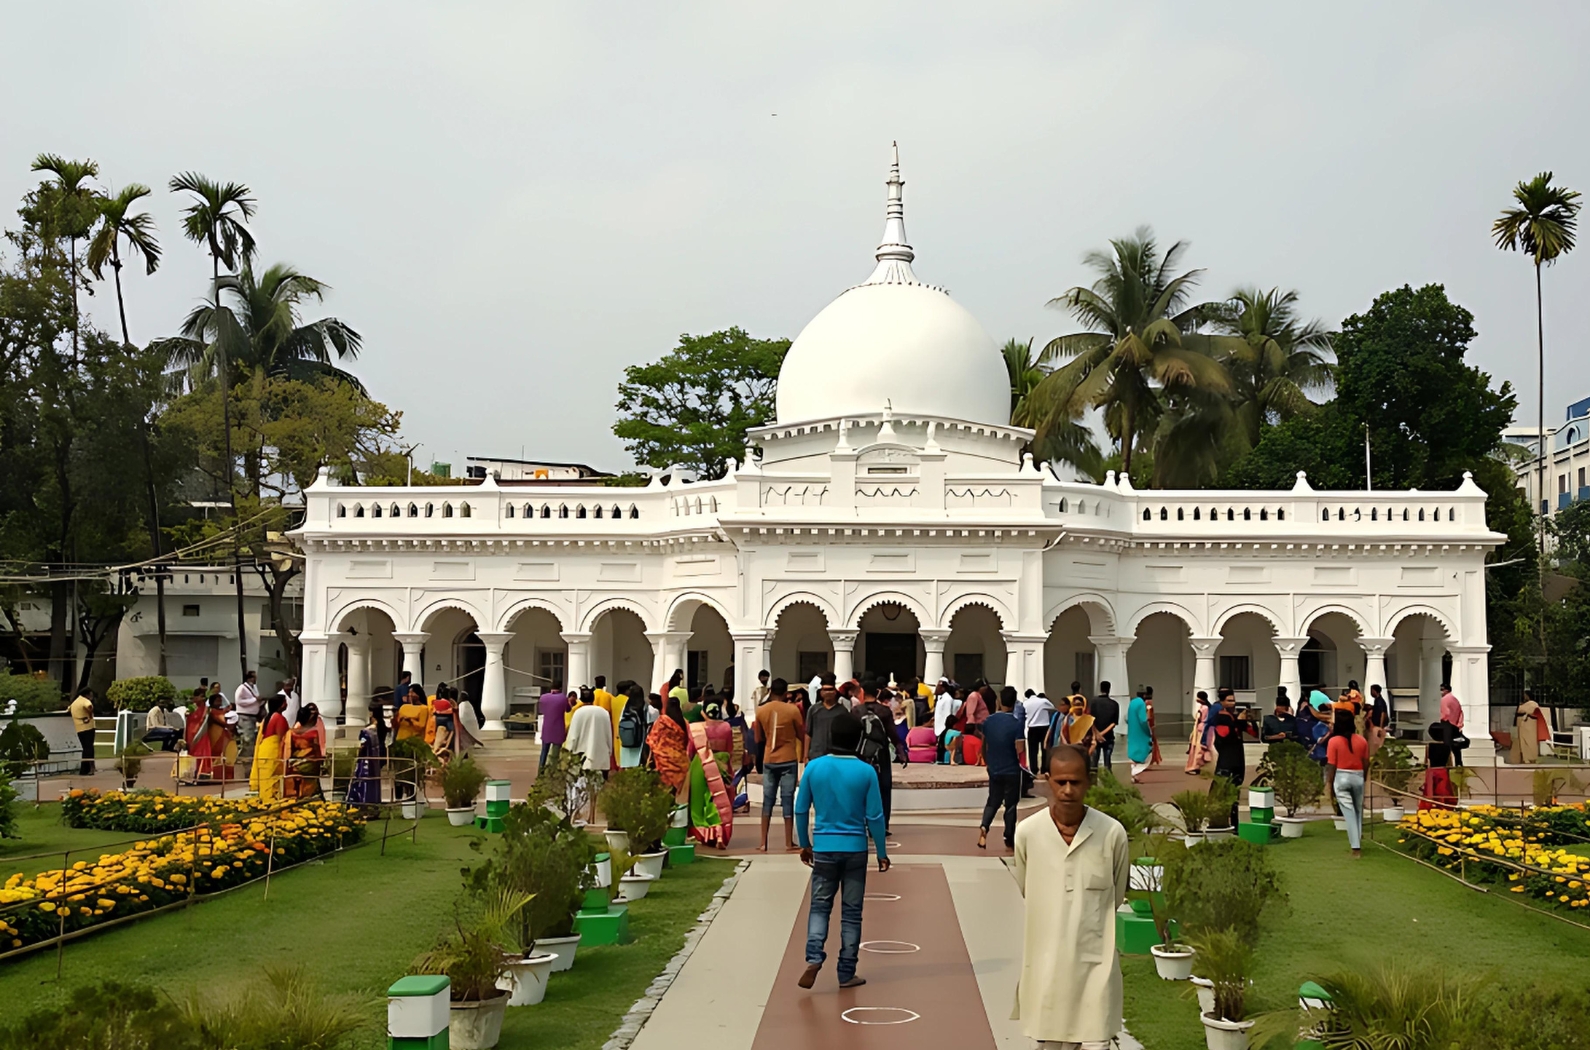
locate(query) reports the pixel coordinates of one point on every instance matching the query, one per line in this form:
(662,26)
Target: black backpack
(632,726)
(875,738)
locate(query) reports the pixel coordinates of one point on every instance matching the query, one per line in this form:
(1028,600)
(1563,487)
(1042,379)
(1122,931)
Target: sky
(512,201)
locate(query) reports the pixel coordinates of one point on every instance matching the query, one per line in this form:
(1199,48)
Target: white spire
(894,253)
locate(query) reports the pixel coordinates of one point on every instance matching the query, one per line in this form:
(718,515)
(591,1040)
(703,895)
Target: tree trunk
(1540,389)
(231,485)
(60,606)
(121,307)
(94,630)
(1128,439)
(154,534)
(292,649)
(24,647)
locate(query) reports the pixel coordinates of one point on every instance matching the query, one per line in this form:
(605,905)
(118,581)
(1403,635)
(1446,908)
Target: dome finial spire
(894,252)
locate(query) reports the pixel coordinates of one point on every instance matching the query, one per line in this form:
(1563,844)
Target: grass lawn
(41,830)
(354,922)
(1347,913)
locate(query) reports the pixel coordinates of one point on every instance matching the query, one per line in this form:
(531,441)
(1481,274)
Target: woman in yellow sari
(305,753)
(412,717)
(1077,726)
(270,753)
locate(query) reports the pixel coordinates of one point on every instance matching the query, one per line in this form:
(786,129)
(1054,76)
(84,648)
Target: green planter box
(1135,934)
(1256,833)
(1261,816)
(678,855)
(609,926)
(676,836)
(597,898)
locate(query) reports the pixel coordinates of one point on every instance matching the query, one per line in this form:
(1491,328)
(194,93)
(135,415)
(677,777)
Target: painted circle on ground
(890,947)
(891,844)
(880,896)
(900,1015)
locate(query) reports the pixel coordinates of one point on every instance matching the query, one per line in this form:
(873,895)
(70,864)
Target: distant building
(531,471)
(1567,464)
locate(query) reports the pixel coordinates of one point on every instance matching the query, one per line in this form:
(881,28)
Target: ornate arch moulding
(987,601)
(519,604)
(422,620)
(780,605)
(593,613)
(1276,620)
(874,599)
(1088,602)
(1193,622)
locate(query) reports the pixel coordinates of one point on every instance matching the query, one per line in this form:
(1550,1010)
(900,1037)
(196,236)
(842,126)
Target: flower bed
(168,869)
(153,812)
(1490,847)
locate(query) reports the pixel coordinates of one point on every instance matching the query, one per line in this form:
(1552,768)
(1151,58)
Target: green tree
(1281,362)
(1543,226)
(117,223)
(71,207)
(216,219)
(694,406)
(1069,441)
(1141,342)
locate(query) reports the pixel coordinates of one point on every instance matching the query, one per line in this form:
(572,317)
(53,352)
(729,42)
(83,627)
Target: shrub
(21,744)
(470,954)
(140,694)
(8,811)
(565,784)
(1122,801)
(1223,794)
(461,783)
(1226,961)
(1193,805)
(1225,884)
(286,1012)
(1393,766)
(636,800)
(1391,1005)
(33,695)
(1297,779)
(544,855)
(107,1015)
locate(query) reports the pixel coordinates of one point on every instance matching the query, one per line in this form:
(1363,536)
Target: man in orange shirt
(780,729)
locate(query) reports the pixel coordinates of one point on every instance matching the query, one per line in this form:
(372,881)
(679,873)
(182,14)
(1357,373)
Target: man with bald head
(1071,864)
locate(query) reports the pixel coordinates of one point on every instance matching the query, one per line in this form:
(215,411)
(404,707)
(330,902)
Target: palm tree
(1543,226)
(215,220)
(1068,441)
(73,210)
(1277,361)
(260,331)
(116,222)
(1142,342)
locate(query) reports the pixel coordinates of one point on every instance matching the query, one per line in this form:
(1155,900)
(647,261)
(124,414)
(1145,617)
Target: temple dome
(893,339)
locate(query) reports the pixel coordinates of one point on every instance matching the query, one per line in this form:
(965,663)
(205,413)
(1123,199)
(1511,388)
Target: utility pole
(1369,467)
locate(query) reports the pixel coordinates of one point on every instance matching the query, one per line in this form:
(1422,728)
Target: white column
(844,653)
(358,709)
(1109,662)
(1431,650)
(494,685)
(749,647)
(317,652)
(579,662)
(1205,677)
(1375,664)
(933,640)
(1288,649)
(1471,681)
(667,654)
(330,702)
(413,643)
(1023,660)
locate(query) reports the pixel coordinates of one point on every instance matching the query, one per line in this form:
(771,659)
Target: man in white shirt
(944,707)
(246,703)
(289,689)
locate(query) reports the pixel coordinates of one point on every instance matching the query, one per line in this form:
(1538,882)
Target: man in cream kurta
(1070,990)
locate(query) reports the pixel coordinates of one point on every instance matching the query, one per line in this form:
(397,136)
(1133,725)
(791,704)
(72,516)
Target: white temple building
(889,522)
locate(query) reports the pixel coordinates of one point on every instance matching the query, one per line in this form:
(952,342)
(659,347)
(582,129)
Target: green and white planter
(417,1013)
(1261,798)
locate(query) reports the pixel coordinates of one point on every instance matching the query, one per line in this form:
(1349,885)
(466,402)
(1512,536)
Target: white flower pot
(635,887)
(1392,814)
(1341,823)
(476,1026)
(412,809)
(617,841)
(1261,798)
(1219,1034)
(602,868)
(651,864)
(461,817)
(1211,834)
(680,818)
(562,947)
(1192,838)
(1291,827)
(1174,963)
(526,980)
(1206,994)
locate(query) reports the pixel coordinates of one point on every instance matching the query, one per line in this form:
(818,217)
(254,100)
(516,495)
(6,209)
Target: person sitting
(163,726)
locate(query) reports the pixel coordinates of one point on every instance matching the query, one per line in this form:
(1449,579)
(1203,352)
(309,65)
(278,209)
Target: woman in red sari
(207,738)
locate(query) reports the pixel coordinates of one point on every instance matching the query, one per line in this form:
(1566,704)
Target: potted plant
(1193,805)
(566,786)
(1223,885)
(1394,767)
(412,761)
(461,784)
(1297,781)
(473,959)
(545,855)
(638,805)
(21,747)
(343,764)
(633,885)
(1226,961)
(1173,960)
(1222,795)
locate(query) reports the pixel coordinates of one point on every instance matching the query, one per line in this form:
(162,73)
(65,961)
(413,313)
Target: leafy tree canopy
(694,406)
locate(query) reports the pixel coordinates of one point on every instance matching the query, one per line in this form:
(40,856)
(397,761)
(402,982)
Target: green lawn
(354,922)
(1347,913)
(42,831)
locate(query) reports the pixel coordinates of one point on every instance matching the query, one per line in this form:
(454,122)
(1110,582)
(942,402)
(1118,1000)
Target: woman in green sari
(678,748)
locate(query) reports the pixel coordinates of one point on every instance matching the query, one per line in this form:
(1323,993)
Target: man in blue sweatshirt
(844,790)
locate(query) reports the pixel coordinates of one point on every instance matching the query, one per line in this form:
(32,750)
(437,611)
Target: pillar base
(488,733)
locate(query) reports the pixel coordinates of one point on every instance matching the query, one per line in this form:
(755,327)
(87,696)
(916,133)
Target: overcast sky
(513,201)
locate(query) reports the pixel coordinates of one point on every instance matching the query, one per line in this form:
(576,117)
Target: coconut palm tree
(1543,225)
(1277,361)
(1141,342)
(117,222)
(216,221)
(73,210)
(1068,441)
(255,325)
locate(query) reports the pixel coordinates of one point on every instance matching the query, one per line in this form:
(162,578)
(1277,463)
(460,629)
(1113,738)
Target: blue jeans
(551,749)
(1349,791)
(778,778)
(844,873)
(1104,752)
